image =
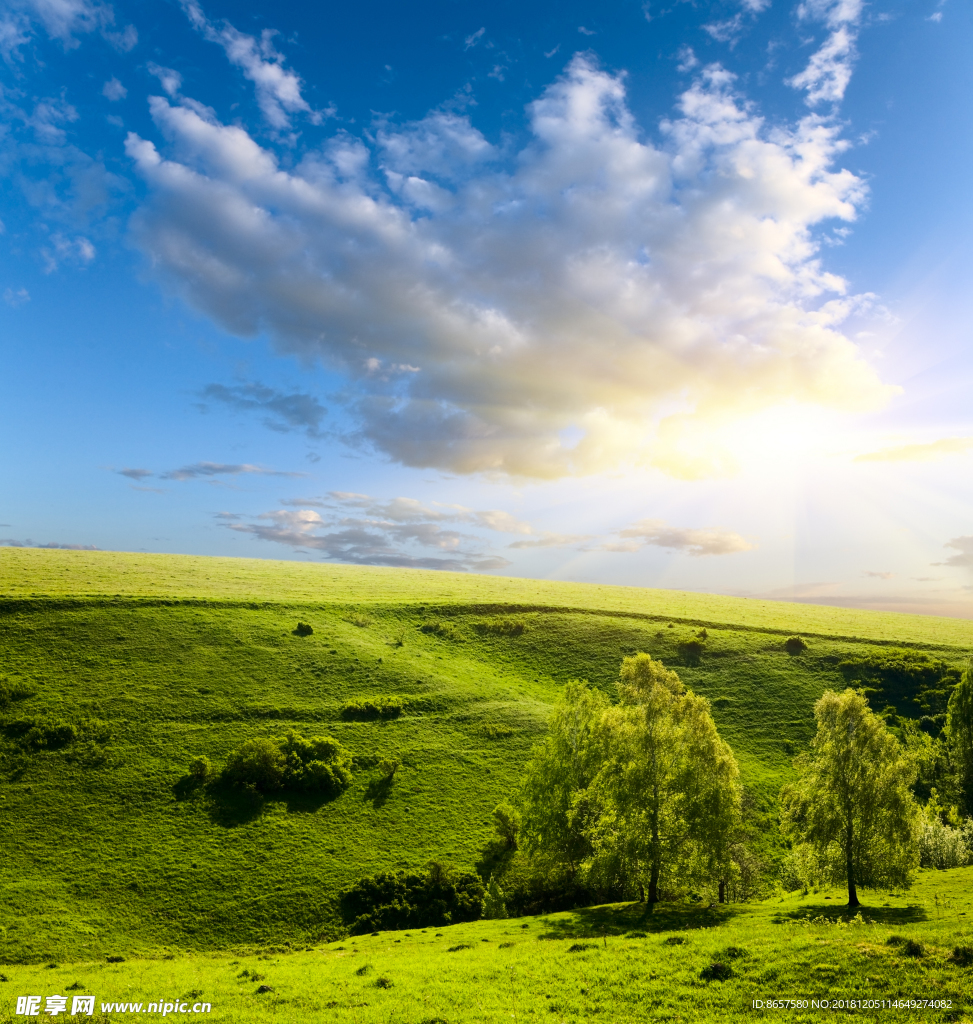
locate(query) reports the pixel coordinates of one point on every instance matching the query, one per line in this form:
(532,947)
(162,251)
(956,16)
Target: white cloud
(698,542)
(278,90)
(829,70)
(627,293)
(78,251)
(114,90)
(170,80)
(63,20)
(16,297)
(474,38)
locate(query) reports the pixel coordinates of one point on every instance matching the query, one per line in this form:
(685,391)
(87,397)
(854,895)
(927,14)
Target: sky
(664,294)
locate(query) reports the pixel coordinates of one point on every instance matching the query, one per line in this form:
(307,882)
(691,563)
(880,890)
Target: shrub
(383,983)
(795,645)
(409,899)
(388,766)
(303,629)
(942,847)
(200,769)
(962,956)
(444,630)
(367,709)
(319,765)
(580,947)
(675,940)
(691,651)
(9,692)
(492,731)
(494,902)
(46,732)
(913,948)
(716,972)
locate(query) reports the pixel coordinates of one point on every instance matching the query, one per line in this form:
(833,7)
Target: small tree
(494,901)
(388,766)
(506,823)
(852,803)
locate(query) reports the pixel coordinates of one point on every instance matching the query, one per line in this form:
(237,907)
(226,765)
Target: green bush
(444,630)
(9,692)
(795,645)
(408,899)
(367,709)
(691,651)
(303,629)
(200,769)
(46,732)
(290,763)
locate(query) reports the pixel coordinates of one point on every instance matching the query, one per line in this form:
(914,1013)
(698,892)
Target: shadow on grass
(379,790)
(839,912)
(231,806)
(617,919)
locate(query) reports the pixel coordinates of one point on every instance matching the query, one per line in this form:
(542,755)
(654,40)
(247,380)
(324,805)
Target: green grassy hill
(106,848)
(612,963)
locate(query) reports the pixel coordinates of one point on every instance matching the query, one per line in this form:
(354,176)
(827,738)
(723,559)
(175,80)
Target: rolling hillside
(109,850)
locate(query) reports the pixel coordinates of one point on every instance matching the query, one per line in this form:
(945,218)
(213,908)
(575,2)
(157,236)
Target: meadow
(110,849)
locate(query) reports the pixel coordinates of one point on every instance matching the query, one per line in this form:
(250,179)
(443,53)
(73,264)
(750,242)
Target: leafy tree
(852,804)
(633,793)
(959,737)
(669,788)
(506,823)
(494,901)
(318,765)
(554,792)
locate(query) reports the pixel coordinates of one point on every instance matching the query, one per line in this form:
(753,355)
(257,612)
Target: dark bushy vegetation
(408,899)
(444,630)
(911,681)
(10,691)
(291,763)
(367,709)
(47,732)
(795,645)
(303,629)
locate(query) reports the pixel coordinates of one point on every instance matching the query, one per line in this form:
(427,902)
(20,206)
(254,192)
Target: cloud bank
(696,542)
(592,300)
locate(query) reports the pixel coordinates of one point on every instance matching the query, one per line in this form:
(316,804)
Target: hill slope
(109,849)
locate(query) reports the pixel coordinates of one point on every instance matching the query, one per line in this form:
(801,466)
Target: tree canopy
(852,806)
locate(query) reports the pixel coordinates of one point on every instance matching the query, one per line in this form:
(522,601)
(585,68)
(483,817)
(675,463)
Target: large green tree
(959,737)
(638,791)
(669,789)
(852,805)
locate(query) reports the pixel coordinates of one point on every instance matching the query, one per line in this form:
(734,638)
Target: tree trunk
(654,884)
(850,868)
(722,890)
(641,893)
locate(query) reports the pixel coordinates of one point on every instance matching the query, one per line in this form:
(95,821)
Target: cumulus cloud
(63,20)
(282,412)
(486,305)
(697,542)
(920,452)
(113,90)
(171,81)
(829,70)
(278,90)
(964,558)
(208,470)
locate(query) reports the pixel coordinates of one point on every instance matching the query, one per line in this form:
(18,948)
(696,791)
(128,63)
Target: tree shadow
(495,859)
(379,790)
(617,919)
(911,914)
(232,806)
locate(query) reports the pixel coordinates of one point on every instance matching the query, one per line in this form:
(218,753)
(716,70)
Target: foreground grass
(614,963)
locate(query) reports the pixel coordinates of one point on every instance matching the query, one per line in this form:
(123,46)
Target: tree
(634,793)
(959,737)
(554,791)
(852,804)
(669,789)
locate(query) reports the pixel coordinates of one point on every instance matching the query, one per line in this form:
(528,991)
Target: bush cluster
(319,765)
(46,732)
(410,899)
(366,709)
(10,691)
(444,630)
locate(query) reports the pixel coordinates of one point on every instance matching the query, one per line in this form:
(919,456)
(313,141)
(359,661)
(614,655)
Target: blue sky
(657,294)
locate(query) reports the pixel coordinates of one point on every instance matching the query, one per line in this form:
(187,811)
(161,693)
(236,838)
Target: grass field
(614,963)
(108,850)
